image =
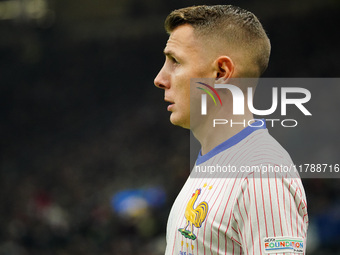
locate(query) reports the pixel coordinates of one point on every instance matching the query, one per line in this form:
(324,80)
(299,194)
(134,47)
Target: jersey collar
(231,141)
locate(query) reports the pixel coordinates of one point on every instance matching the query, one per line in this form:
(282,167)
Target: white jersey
(242,213)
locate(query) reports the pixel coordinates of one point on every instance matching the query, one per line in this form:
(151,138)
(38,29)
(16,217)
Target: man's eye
(175,61)
(172,59)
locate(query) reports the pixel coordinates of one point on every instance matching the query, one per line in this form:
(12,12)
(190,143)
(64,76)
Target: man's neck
(210,137)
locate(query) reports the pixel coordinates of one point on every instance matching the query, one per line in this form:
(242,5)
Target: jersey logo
(283,244)
(195,216)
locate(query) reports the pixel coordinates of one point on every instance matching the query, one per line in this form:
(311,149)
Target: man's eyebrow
(169,53)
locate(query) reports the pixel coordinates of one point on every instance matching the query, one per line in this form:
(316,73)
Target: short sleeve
(270,216)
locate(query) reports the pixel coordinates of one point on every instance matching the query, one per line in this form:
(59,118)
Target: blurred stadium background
(89,161)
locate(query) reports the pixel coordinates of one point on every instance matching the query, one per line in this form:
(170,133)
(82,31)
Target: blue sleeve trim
(231,141)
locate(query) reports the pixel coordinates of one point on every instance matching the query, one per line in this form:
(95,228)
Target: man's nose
(162,81)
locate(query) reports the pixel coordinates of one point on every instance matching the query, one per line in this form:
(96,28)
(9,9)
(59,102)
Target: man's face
(186,57)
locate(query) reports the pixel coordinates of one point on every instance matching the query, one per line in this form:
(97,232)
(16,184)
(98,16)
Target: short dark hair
(234,25)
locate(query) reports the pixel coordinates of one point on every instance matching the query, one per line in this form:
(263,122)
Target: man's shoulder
(260,147)
(256,153)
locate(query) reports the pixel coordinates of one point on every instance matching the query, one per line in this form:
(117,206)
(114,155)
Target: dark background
(82,121)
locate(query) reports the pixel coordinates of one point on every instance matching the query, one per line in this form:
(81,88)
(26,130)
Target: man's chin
(179,122)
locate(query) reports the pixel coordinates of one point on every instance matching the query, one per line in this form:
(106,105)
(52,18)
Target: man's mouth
(171,104)
(170,107)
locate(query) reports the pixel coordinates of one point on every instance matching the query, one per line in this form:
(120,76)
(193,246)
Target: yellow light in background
(9,9)
(23,9)
(36,9)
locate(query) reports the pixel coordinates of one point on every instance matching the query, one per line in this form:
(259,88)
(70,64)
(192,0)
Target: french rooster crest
(194,216)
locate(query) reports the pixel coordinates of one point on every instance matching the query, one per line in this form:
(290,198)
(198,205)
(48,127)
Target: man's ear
(224,68)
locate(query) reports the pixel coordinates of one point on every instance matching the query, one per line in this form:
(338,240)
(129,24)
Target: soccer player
(244,212)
